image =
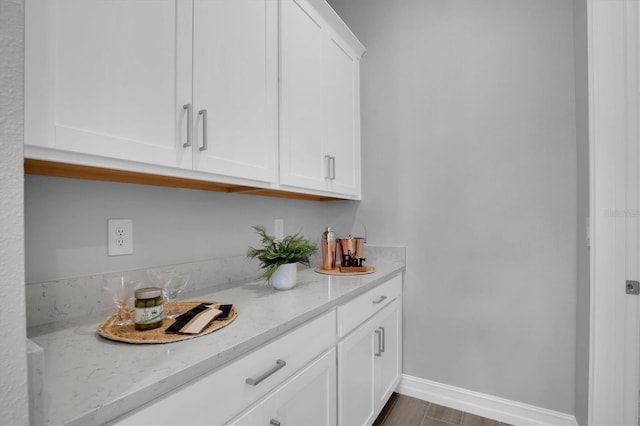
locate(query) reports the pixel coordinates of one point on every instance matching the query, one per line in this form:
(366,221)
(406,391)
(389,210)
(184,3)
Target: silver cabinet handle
(331,167)
(383,338)
(327,159)
(379,334)
(379,301)
(203,113)
(274,422)
(253,382)
(332,160)
(189,109)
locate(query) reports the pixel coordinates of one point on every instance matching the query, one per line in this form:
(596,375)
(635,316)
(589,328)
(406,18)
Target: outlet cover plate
(119,237)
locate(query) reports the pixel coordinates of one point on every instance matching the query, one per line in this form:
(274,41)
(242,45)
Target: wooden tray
(128,334)
(336,271)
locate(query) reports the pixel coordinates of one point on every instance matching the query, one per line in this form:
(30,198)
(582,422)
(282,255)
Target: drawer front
(219,396)
(356,311)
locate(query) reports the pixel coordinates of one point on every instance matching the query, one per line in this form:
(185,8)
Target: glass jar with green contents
(149,306)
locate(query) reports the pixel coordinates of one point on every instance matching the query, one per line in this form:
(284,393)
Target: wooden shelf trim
(75,171)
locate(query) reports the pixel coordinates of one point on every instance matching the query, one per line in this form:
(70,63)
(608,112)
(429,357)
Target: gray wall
(469,141)
(13,349)
(66,224)
(582,155)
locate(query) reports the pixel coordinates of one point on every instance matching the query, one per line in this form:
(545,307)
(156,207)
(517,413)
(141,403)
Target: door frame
(614,371)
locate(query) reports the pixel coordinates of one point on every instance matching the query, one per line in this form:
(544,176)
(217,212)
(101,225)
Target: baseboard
(504,410)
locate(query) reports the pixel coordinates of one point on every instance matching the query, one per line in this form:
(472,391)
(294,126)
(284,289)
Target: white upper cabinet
(261,94)
(319,99)
(101,78)
(301,109)
(342,117)
(235,80)
(118,79)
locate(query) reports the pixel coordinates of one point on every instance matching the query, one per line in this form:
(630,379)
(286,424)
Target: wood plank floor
(404,410)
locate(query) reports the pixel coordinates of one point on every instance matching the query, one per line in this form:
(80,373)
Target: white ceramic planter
(285,276)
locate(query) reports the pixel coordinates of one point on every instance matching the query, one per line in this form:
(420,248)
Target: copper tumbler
(354,247)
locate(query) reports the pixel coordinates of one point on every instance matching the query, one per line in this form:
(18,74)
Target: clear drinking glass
(172,283)
(121,288)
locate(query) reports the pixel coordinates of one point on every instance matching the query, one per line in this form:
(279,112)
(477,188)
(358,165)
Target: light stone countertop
(91,380)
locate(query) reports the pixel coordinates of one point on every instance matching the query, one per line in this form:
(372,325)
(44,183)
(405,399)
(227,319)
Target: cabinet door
(302,160)
(235,80)
(370,366)
(251,417)
(319,101)
(388,354)
(356,404)
(342,112)
(309,398)
(101,78)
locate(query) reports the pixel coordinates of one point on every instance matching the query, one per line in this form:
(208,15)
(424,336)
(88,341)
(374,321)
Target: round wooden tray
(336,271)
(128,334)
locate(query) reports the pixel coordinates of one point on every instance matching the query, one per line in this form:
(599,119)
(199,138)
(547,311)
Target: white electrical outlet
(119,237)
(278,229)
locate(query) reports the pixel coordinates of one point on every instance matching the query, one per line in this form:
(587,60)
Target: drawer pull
(383,338)
(379,334)
(274,422)
(377,302)
(251,381)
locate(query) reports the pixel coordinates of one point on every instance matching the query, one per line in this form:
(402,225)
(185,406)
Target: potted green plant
(278,258)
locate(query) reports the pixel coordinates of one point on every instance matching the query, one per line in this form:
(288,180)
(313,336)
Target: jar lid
(148,292)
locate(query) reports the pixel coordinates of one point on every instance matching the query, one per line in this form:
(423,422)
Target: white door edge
(614,372)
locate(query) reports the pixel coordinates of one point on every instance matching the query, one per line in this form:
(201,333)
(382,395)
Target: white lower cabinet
(221,395)
(388,358)
(355,383)
(308,398)
(338,368)
(369,366)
